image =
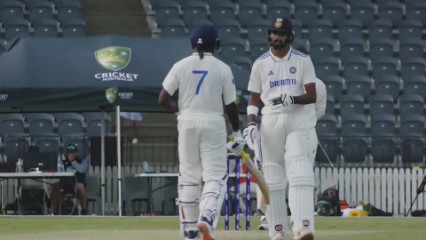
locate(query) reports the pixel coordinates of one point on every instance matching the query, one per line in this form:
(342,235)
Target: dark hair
(205,39)
(200,52)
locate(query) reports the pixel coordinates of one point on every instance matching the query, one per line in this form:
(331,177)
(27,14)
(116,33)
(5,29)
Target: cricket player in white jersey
(205,84)
(284,80)
(319,111)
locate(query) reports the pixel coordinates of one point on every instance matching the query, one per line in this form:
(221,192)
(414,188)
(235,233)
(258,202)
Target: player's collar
(277,59)
(205,54)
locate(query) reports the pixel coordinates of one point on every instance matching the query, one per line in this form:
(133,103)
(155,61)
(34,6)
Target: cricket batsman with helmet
(319,110)
(205,83)
(284,80)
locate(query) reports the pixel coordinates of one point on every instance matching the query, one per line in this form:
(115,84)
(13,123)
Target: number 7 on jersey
(203,75)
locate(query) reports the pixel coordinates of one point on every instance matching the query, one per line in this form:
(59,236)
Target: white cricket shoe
(205,227)
(191,235)
(263,223)
(278,236)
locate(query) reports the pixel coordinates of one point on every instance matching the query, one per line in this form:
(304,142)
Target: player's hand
(282,102)
(252,135)
(236,143)
(247,138)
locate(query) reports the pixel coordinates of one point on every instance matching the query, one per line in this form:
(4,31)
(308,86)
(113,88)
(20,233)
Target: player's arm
(232,112)
(170,85)
(229,98)
(255,87)
(82,167)
(309,97)
(254,101)
(237,142)
(165,100)
(308,80)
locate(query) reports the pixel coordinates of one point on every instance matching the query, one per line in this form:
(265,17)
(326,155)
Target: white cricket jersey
(204,85)
(317,109)
(321,103)
(272,77)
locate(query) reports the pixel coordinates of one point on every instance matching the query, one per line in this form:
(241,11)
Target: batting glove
(236,143)
(252,135)
(282,102)
(246,137)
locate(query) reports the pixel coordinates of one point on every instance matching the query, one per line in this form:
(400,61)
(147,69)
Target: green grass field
(158,228)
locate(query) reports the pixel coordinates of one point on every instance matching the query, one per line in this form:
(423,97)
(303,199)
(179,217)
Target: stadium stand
(383,144)
(12,124)
(132,194)
(40,124)
(388,84)
(350,29)
(381,104)
(43,18)
(411,104)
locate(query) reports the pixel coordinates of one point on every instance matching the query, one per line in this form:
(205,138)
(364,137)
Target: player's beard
(278,44)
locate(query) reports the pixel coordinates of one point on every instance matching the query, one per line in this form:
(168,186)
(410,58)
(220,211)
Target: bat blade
(260,180)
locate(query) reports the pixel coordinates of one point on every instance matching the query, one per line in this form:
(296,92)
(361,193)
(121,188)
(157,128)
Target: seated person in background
(77,185)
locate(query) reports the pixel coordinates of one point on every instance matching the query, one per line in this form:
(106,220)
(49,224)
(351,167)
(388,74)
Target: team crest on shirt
(293,70)
(279,23)
(305,223)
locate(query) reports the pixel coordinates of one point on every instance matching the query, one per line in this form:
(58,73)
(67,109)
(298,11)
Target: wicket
(237,195)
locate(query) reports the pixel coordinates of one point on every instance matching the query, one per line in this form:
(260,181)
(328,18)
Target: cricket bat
(260,180)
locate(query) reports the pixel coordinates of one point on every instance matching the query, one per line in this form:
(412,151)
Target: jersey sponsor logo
(115,59)
(282,82)
(270,73)
(293,70)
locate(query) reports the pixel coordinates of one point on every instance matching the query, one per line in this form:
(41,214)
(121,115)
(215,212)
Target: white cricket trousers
(202,147)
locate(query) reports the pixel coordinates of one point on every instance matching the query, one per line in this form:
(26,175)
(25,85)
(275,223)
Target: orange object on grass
(343,204)
(244,171)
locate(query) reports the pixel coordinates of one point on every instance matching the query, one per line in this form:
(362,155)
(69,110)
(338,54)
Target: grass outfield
(158,228)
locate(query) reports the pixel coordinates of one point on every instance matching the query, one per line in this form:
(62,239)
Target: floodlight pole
(103,162)
(119,158)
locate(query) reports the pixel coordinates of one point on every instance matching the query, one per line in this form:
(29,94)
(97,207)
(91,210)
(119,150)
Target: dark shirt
(79,166)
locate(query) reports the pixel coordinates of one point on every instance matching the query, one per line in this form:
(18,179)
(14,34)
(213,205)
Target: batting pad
(276,212)
(313,143)
(301,195)
(189,199)
(212,191)
(220,200)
